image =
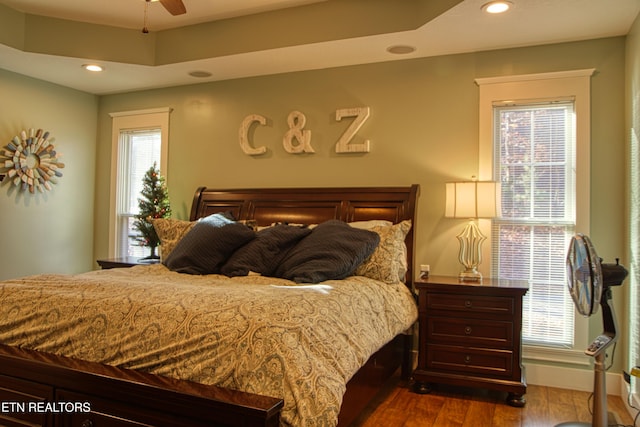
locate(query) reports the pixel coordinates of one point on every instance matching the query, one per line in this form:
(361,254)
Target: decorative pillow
(333,250)
(170,231)
(369,224)
(389,261)
(207,246)
(264,253)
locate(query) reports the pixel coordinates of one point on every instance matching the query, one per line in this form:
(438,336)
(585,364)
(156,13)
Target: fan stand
(600,417)
(601,343)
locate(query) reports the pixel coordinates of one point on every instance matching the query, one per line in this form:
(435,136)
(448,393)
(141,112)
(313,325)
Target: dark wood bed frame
(122,397)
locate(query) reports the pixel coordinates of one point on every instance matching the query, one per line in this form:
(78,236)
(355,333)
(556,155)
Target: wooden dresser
(470,335)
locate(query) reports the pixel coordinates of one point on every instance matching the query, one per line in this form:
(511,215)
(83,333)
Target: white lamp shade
(473,199)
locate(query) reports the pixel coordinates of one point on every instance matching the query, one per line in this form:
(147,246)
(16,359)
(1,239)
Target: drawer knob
(467,304)
(87,423)
(467,359)
(467,330)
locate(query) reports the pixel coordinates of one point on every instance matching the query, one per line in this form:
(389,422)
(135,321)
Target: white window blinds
(138,151)
(138,139)
(534,151)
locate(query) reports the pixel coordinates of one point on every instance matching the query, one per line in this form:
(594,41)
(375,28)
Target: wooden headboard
(313,206)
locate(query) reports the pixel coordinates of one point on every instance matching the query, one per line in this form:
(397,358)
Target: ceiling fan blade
(174,7)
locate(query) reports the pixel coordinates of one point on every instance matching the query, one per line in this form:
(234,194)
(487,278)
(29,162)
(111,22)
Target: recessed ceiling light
(401,49)
(497,6)
(200,74)
(92,67)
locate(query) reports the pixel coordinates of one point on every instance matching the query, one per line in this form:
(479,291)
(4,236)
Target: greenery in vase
(153,204)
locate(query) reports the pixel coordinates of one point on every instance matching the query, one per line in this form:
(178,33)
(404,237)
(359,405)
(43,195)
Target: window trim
(132,120)
(576,84)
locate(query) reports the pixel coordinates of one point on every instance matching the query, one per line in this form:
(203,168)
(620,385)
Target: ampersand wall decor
(302,137)
(297,139)
(31,161)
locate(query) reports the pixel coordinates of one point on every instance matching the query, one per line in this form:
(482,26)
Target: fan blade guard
(584,275)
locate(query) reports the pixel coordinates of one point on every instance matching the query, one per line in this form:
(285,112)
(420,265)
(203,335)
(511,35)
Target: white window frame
(560,85)
(128,121)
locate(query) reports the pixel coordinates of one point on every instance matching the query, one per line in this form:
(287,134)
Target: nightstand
(124,262)
(470,335)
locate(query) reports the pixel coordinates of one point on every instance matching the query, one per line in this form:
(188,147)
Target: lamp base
(470,254)
(470,275)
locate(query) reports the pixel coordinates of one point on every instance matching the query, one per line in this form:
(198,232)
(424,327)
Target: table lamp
(472,200)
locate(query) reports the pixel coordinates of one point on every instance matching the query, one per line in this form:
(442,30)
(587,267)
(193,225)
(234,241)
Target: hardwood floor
(448,407)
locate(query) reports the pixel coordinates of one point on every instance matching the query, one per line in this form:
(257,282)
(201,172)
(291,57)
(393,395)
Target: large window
(534,162)
(534,140)
(139,142)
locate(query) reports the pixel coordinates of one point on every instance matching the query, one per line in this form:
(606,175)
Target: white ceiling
(461,29)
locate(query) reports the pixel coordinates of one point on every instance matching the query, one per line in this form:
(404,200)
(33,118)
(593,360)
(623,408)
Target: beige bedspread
(256,334)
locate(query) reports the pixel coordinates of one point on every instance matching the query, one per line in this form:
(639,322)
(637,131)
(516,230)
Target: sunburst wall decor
(31,161)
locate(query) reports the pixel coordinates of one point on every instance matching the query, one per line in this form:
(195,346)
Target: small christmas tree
(153,204)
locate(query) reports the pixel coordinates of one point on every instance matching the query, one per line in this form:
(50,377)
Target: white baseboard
(569,378)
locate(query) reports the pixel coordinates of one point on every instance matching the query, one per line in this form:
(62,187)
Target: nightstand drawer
(471,304)
(470,332)
(478,361)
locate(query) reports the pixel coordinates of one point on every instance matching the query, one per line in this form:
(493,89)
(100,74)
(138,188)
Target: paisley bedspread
(258,334)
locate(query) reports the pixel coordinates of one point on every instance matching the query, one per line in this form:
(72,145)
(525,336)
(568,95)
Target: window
(534,140)
(534,162)
(139,140)
(138,151)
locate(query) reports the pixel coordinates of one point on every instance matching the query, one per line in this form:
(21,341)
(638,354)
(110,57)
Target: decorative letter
(244,135)
(296,121)
(361,114)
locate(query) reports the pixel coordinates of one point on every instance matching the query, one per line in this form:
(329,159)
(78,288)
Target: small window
(139,150)
(139,142)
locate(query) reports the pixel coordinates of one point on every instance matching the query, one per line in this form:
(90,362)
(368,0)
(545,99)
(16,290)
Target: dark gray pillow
(207,246)
(333,250)
(264,253)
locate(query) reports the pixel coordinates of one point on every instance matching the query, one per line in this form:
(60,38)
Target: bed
(286,365)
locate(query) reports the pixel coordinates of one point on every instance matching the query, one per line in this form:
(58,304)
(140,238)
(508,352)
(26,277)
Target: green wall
(51,231)
(423,129)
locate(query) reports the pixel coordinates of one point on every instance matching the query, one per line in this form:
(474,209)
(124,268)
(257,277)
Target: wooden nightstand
(124,262)
(470,335)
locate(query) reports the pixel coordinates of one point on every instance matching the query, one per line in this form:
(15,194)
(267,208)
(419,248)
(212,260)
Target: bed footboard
(42,389)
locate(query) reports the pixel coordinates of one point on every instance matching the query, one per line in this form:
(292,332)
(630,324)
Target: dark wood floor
(447,406)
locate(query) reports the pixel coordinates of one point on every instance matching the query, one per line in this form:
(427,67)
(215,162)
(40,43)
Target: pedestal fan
(590,283)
